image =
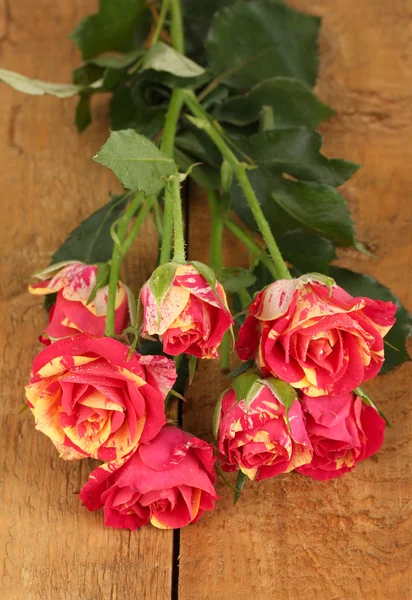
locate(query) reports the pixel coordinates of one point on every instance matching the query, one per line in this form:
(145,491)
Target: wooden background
(289,538)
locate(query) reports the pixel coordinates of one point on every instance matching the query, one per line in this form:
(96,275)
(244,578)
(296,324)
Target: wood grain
(50,546)
(292,538)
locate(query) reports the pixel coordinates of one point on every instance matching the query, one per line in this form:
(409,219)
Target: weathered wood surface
(51,547)
(351,539)
(289,538)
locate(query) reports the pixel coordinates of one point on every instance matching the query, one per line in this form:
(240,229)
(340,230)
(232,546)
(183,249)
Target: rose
(181,307)
(343,430)
(314,336)
(256,433)
(92,401)
(73,313)
(168,482)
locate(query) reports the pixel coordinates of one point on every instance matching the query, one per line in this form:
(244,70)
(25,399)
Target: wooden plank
(290,537)
(51,547)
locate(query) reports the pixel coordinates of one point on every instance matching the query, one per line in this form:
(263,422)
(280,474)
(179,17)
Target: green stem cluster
(240,172)
(117,256)
(169,132)
(166,146)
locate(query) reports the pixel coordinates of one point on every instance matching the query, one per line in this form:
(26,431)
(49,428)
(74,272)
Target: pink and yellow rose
(258,436)
(168,482)
(188,315)
(72,312)
(92,401)
(314,336)
(342,430)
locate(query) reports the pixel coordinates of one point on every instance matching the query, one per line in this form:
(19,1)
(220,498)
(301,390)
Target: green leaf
(83,116)
(240,482)
(112,78)
(124,114)
(254,41)
(290,205)
(87,74)
(102,279)
(207,273)
(161,282)
(192,368)
(116,26)
(242,368)
(198,17)
(198,144)
(136,161)
(292,102)
(369,402)
(307,252)
(284,392)
(235,279)
(246,387)
(117,60)
(162,57)
(91,241)
(363,285)
(36,87)
(319,208)
(203,175)
(296,151)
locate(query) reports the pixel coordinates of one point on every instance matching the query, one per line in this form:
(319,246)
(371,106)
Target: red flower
(315,337)
(92,401)
(72,313)
(257,437)
(343,430)
(189,316)
(169,482)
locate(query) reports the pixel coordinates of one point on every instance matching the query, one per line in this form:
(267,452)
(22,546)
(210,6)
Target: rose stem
(239,169)
(216,262)
(169,131)
(117,256)
(173,190)
(251,245)
(160,22)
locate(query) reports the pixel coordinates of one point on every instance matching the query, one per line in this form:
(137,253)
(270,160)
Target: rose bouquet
(219,94)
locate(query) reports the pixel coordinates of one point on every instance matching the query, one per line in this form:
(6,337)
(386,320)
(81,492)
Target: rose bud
(168,482)
(343,430)
(316,336)
(187,310)
(73,312)
(261,429)
(92,401)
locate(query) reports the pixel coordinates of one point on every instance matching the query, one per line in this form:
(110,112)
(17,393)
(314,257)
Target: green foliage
(136,161)
(253,41)
(125,114)
(116,26)
(284,392)
(240,482)
(296,151)
(236,279)
(288,205)
(252,64)
(91,241)
(83,116)
(307,252)
(36,87)
(161,282)
(164,58)
(292,102)
(246,387)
